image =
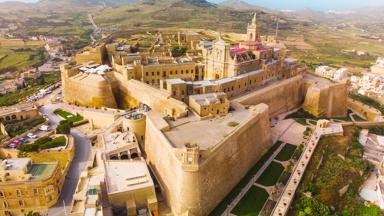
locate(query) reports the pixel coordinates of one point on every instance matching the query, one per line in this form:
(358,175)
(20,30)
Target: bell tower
(253,31)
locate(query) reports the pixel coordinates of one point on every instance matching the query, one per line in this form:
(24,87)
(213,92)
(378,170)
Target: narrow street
(82,151)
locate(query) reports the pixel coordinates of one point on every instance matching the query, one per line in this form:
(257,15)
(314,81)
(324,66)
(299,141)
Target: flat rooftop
(17,108)
(206,133)
(15,164)
(42,171)
(206,99)
(317,80)
(125,176)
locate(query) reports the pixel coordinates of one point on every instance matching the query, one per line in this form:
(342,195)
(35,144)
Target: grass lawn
(286,153)
(271,175)
(236,190)
(252,203)
(301,121)
(68,116)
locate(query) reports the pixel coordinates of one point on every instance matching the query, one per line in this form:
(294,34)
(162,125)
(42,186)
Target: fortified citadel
(207,107)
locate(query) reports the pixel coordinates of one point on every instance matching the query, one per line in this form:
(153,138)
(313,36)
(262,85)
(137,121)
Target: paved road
(90,17)
(82,151)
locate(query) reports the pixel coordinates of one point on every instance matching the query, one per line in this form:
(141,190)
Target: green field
(286,153)
(18,59)
(252,202)
(271,175)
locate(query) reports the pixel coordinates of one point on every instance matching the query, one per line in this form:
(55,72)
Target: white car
(31,136)
(44,128)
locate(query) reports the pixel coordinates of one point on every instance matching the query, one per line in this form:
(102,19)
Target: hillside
(240,5)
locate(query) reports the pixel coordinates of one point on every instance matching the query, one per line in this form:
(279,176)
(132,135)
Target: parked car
(12,145)
(17,142)
(44,128)
(32,136)
(23,140)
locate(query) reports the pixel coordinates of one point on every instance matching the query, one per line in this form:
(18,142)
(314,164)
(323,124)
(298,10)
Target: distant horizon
(321,5)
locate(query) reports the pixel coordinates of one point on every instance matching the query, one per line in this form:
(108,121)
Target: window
(171,72)
(18,192)
(5,204)
(182,72)
(158,73)
(36,191)
(176,72)
(187,71)
(146,73)
(21,203)
(1,194)
(174,93)
(153,73)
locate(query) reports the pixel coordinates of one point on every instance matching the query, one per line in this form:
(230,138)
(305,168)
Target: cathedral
(225,60)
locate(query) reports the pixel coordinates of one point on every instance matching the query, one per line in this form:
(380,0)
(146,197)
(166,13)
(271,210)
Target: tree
(178,51)
(64,127)
(307,206)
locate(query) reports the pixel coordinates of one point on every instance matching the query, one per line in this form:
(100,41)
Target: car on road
(23,140)
(17,142)
(32,136)
(12,145)
(44,128)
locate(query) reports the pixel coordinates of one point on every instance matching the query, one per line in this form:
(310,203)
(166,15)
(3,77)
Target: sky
(300,4)
(314,4)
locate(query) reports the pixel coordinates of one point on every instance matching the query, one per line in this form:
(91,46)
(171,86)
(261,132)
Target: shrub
(311,206)
(64,127)
(178,51)
(233,124)
(43,143)
(43,140)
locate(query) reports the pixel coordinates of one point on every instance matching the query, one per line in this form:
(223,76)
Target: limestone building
(128,182)
(378,68)
(206,109)
(27,186)
(18,112)
(214,104)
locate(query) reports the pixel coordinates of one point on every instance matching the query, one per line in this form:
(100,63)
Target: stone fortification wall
(132,92)
(98,118)
(326,100)
(280,97)
(198,189)
(89,90)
